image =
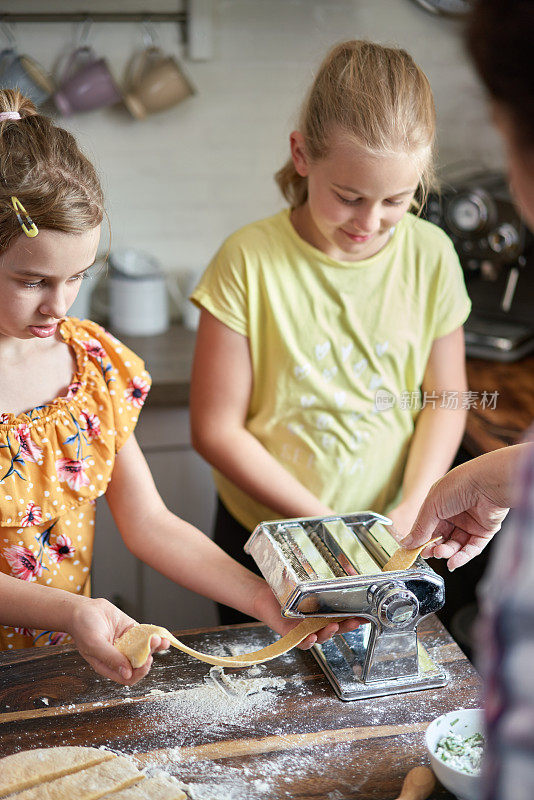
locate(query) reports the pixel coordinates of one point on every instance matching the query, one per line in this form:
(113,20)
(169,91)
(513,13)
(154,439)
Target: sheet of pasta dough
(31,767)
(88,784)
(135,644)
(150,789)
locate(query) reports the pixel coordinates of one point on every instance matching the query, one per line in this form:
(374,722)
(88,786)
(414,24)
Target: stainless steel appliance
(332,566)
(494,247)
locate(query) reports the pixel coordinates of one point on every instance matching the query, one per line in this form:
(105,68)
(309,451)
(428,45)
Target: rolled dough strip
(403,559)
(151,789)
(28,768)
(135,644)
(89,784)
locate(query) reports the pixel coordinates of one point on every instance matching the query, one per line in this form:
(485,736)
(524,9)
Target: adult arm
(438,431)
(221,386)
(468,505)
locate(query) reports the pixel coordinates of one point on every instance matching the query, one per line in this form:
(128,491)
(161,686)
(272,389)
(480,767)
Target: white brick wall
(179,182)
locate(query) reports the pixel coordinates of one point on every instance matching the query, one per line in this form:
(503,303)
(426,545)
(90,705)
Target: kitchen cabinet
(184,481)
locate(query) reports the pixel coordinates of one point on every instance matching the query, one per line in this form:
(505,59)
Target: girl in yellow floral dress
(70,395)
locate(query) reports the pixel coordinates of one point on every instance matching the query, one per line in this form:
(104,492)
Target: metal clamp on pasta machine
(332,566)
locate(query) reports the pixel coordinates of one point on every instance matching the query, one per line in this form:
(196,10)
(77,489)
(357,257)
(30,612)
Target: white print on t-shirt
(328,374)
(350,468)
(295,427)
(295,455)
(323,421)
(380,349)
(376,381)
(340,398)
(359,367)
(291,454)
(321,350)
(327,441)
(301,372)
(346,350)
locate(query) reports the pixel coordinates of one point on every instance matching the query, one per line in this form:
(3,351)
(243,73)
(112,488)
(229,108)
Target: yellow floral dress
(56,460)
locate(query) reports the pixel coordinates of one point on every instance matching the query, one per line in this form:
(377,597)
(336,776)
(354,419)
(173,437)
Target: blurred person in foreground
(468,505)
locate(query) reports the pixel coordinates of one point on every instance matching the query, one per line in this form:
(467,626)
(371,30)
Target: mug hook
(83,31)
(8,33)
(150,37)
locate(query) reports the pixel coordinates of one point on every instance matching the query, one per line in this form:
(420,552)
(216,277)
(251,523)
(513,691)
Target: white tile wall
(182,180)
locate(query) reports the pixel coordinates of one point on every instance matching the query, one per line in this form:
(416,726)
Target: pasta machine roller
(332,567)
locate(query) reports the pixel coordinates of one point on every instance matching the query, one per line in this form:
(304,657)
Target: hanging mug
(21,72)
(86,83)
(155,82)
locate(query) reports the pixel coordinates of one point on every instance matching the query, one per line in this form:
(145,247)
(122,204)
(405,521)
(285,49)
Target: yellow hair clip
(30,231)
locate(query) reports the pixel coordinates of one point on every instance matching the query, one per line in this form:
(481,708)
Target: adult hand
(96,624)
(267,608)
(467,507)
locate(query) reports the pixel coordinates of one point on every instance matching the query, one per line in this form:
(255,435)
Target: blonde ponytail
(377,96)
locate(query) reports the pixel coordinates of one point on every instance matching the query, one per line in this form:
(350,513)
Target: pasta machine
(332,567)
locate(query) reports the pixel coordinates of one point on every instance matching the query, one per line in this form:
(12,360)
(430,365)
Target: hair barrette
(26,223)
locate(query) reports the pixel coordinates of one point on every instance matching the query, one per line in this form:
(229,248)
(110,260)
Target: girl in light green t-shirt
(329,370)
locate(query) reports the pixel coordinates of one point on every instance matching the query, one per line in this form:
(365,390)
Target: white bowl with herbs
(455,742)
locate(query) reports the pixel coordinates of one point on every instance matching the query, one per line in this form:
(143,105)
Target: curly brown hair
(42,165)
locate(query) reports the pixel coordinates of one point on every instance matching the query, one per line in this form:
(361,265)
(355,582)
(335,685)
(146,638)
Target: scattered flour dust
(221,700)
(268,778)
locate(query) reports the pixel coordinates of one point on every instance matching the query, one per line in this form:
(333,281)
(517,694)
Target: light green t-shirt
(324,336)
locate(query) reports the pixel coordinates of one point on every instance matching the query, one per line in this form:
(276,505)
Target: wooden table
(295,740)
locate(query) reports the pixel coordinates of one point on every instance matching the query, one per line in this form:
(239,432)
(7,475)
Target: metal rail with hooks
(86,18)
(179,17)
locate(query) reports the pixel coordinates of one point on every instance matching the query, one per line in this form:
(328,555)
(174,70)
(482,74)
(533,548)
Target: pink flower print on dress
(72,472)
(28,449)
(62,548)
(136,392)
(23,563)
(92,425)
(32,516)
(73,389)
(94,348)
(25,632)
(58,638)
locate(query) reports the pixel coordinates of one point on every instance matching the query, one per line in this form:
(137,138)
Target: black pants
(230,535)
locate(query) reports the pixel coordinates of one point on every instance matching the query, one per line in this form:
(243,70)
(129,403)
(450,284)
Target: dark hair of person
(500,40)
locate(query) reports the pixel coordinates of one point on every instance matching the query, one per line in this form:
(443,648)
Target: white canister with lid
(138,300)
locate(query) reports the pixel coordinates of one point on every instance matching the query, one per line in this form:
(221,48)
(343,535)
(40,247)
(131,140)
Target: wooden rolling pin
(418,784)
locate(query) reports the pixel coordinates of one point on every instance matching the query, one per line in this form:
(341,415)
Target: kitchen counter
(487,429)
(292,739)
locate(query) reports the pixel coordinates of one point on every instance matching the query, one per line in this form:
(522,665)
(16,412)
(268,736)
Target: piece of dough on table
(88,784)
(31,767)
(150,789)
